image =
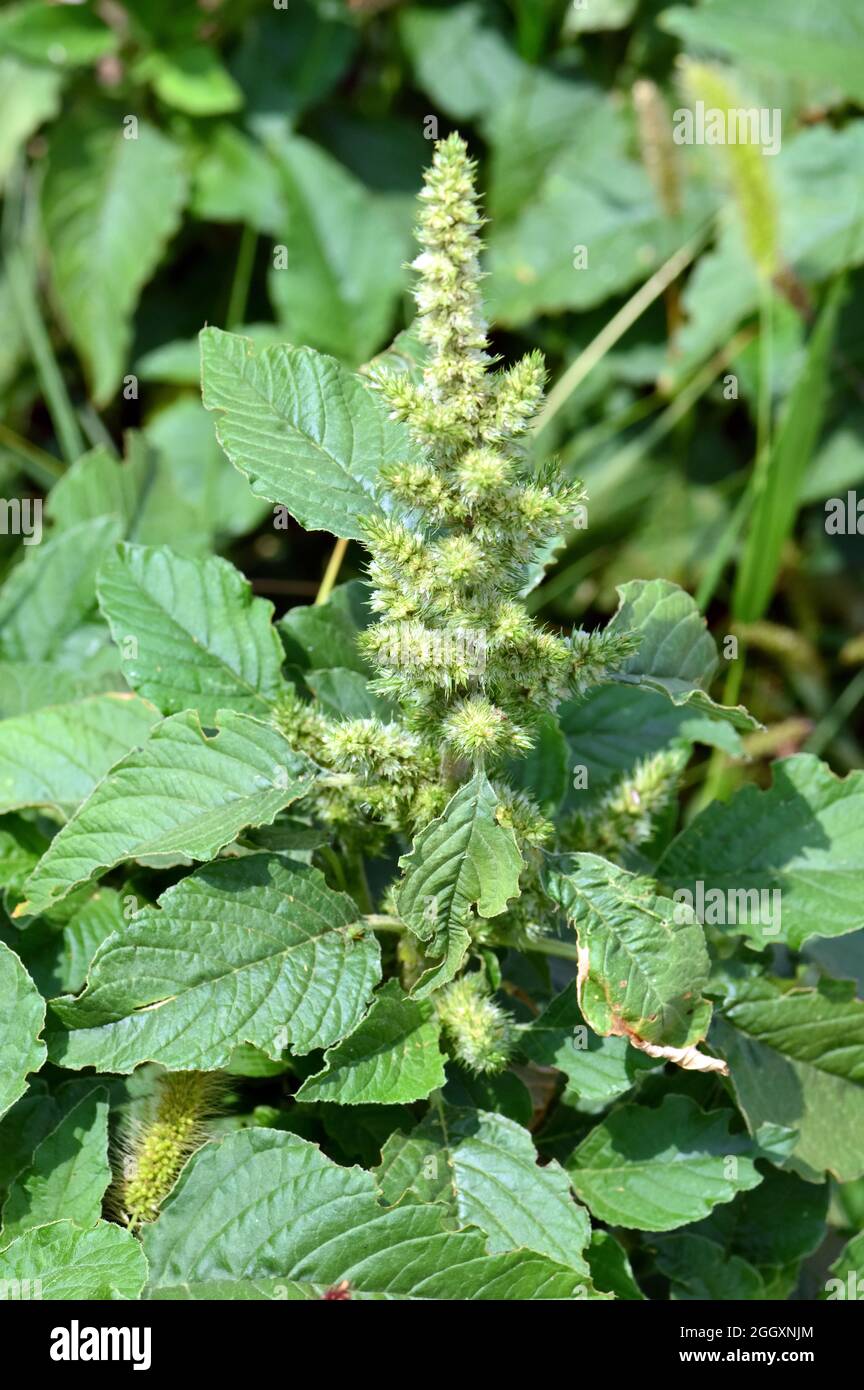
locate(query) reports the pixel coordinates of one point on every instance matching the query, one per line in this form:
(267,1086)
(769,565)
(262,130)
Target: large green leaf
(60,35)
(185,793)
(463,859)
(677,655)
(28,96)
(265,1214)
(307,433)
(55,757)
(796,1059)
(701,1269)
(653,1170)
(51,592)
(391,1058)
(614,726)
(102,1263)
(21,1021)
(245,950)
(642,962)
(598,1069)
(109,205)
(800,843)
(485,1169)
(68,1175)
(787,36)
(343,255)
(199,637)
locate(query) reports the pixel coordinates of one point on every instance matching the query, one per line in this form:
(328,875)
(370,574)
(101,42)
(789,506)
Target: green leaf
(199,637)
(699,1268)
(105,1262)
(191,78)
(288,61)
(245,950)
(186,792)
(59,35)
(343,256)
(21,1022)
(463,65)
(490,1178)
(109,205)
(796,1059)
(54,757)
(28,96)
(307,433)
(677,655)
(391,1058)
(610,1268)
(776,1223)
(235,181)
(264,1214)
(642,962)
(786,36)
(848,1268)
(50,593)
(542,773)
(614,726)
(598,1070)
(322,636)
(463,859)
(83,934)
(68,1175)
(26,686)
(780,473)
(653,1170)
(801,841)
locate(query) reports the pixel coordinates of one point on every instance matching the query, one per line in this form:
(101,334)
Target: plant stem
(545,946)
(833,721)
(618,325)
(334,564)
(42,467)
(243,268)
(50,379)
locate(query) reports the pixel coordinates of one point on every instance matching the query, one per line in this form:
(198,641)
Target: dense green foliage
(445,937)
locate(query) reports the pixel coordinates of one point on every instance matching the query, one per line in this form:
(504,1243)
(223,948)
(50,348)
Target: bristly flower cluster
(454,642)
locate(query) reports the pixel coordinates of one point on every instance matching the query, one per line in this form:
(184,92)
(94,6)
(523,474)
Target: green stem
(53,387)
(243,268)
(832,722)
(331,574)
(545,946)
(43,468)
(619,324)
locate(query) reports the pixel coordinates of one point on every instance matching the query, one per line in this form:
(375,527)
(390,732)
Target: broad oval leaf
(783,865)
(306,432)
(200,639)
(55,756)
(655,1169)
(796,1059)
(463,859)
(489,1177)
(66,1263)
(185,793)
(243,951)
(68,1174)
(392,1057)
(264,1214)
(642,962)
(109,203)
